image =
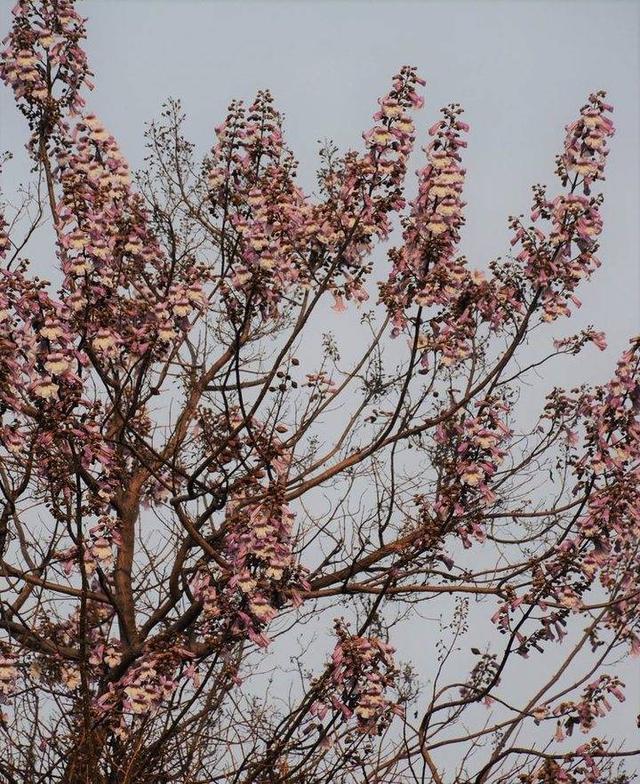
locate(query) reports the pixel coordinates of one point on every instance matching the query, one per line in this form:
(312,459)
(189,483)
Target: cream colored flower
(46,389)
(57,364)
(104,340)
(51,330)
(71,677)
(182,307)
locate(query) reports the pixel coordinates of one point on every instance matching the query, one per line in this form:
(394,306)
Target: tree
(215,524)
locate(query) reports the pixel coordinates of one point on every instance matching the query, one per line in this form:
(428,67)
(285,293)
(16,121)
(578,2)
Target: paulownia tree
(216,526)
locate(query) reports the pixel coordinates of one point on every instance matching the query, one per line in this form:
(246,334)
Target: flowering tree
(215,528)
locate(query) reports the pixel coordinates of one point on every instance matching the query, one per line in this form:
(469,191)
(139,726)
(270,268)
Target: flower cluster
(109,256)
(432,229)
(575,343)
(479,448)
(390,141)
(105,534)
(555,262)
(593,704)
(603,546)
(251,180)
(581,769)
(281,240)
(5,242)
(44,63)
(259,575)
(469,450)
(43,391)
(585,148)
(259,547)
(39,355)
(8,675)
(363,191)
(362,670)
(425,271)
(145,686)
(609,531)
(321,383)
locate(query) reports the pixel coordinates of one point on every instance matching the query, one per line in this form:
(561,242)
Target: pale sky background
(521,70)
